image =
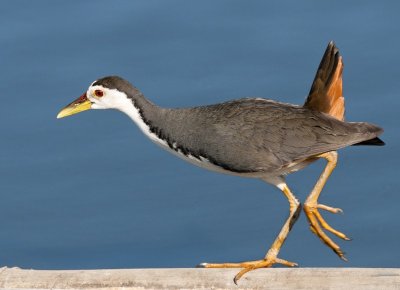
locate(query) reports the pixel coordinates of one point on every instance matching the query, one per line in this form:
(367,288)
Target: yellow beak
(79,105)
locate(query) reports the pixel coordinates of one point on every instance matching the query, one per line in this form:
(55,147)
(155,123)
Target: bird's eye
(98,93)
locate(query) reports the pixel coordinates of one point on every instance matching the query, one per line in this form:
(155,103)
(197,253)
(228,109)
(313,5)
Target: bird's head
(110,92)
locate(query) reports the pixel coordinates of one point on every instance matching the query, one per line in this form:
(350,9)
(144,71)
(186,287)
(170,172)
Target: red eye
(98,93)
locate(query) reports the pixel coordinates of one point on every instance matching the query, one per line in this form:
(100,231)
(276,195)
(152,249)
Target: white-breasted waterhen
(251,137)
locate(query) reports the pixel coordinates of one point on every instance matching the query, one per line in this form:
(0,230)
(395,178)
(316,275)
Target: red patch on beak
(81,99)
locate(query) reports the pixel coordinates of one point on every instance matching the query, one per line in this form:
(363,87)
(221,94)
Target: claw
(343,257)
(235,280)
(330,209)
(201,265)
(241,273)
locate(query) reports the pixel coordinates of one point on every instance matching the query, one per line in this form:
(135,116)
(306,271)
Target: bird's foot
(316,221)
(249,266)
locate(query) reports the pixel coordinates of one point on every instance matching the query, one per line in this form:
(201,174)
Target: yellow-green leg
(272,255)
(311,207)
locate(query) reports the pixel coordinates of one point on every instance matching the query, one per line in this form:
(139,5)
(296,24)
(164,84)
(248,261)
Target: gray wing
(254,135)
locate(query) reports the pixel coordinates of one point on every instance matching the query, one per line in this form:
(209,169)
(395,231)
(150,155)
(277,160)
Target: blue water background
(91,191)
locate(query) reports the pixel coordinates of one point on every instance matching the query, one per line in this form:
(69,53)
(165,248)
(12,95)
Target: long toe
(329,208)
(265,263)
(229,265)
(316,221)
(249,265)
(314,210)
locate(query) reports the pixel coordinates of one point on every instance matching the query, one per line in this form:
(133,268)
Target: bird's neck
(147,116)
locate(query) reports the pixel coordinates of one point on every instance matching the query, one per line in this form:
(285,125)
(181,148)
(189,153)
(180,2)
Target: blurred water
(91,192)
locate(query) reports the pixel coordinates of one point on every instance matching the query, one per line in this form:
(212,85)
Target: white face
(104,98)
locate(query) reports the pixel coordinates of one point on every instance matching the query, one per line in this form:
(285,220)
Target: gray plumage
(251,137)
(248,135)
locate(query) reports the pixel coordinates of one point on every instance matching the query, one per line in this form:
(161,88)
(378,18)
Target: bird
(251,137)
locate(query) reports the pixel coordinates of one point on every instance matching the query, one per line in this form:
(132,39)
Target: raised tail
(326,93)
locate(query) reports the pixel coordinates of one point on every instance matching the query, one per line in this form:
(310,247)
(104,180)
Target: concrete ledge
(275,278)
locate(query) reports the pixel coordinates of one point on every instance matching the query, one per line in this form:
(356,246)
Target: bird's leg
(272,255)
(311,207)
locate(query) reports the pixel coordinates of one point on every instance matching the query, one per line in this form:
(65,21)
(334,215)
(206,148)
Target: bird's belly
(296,166)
